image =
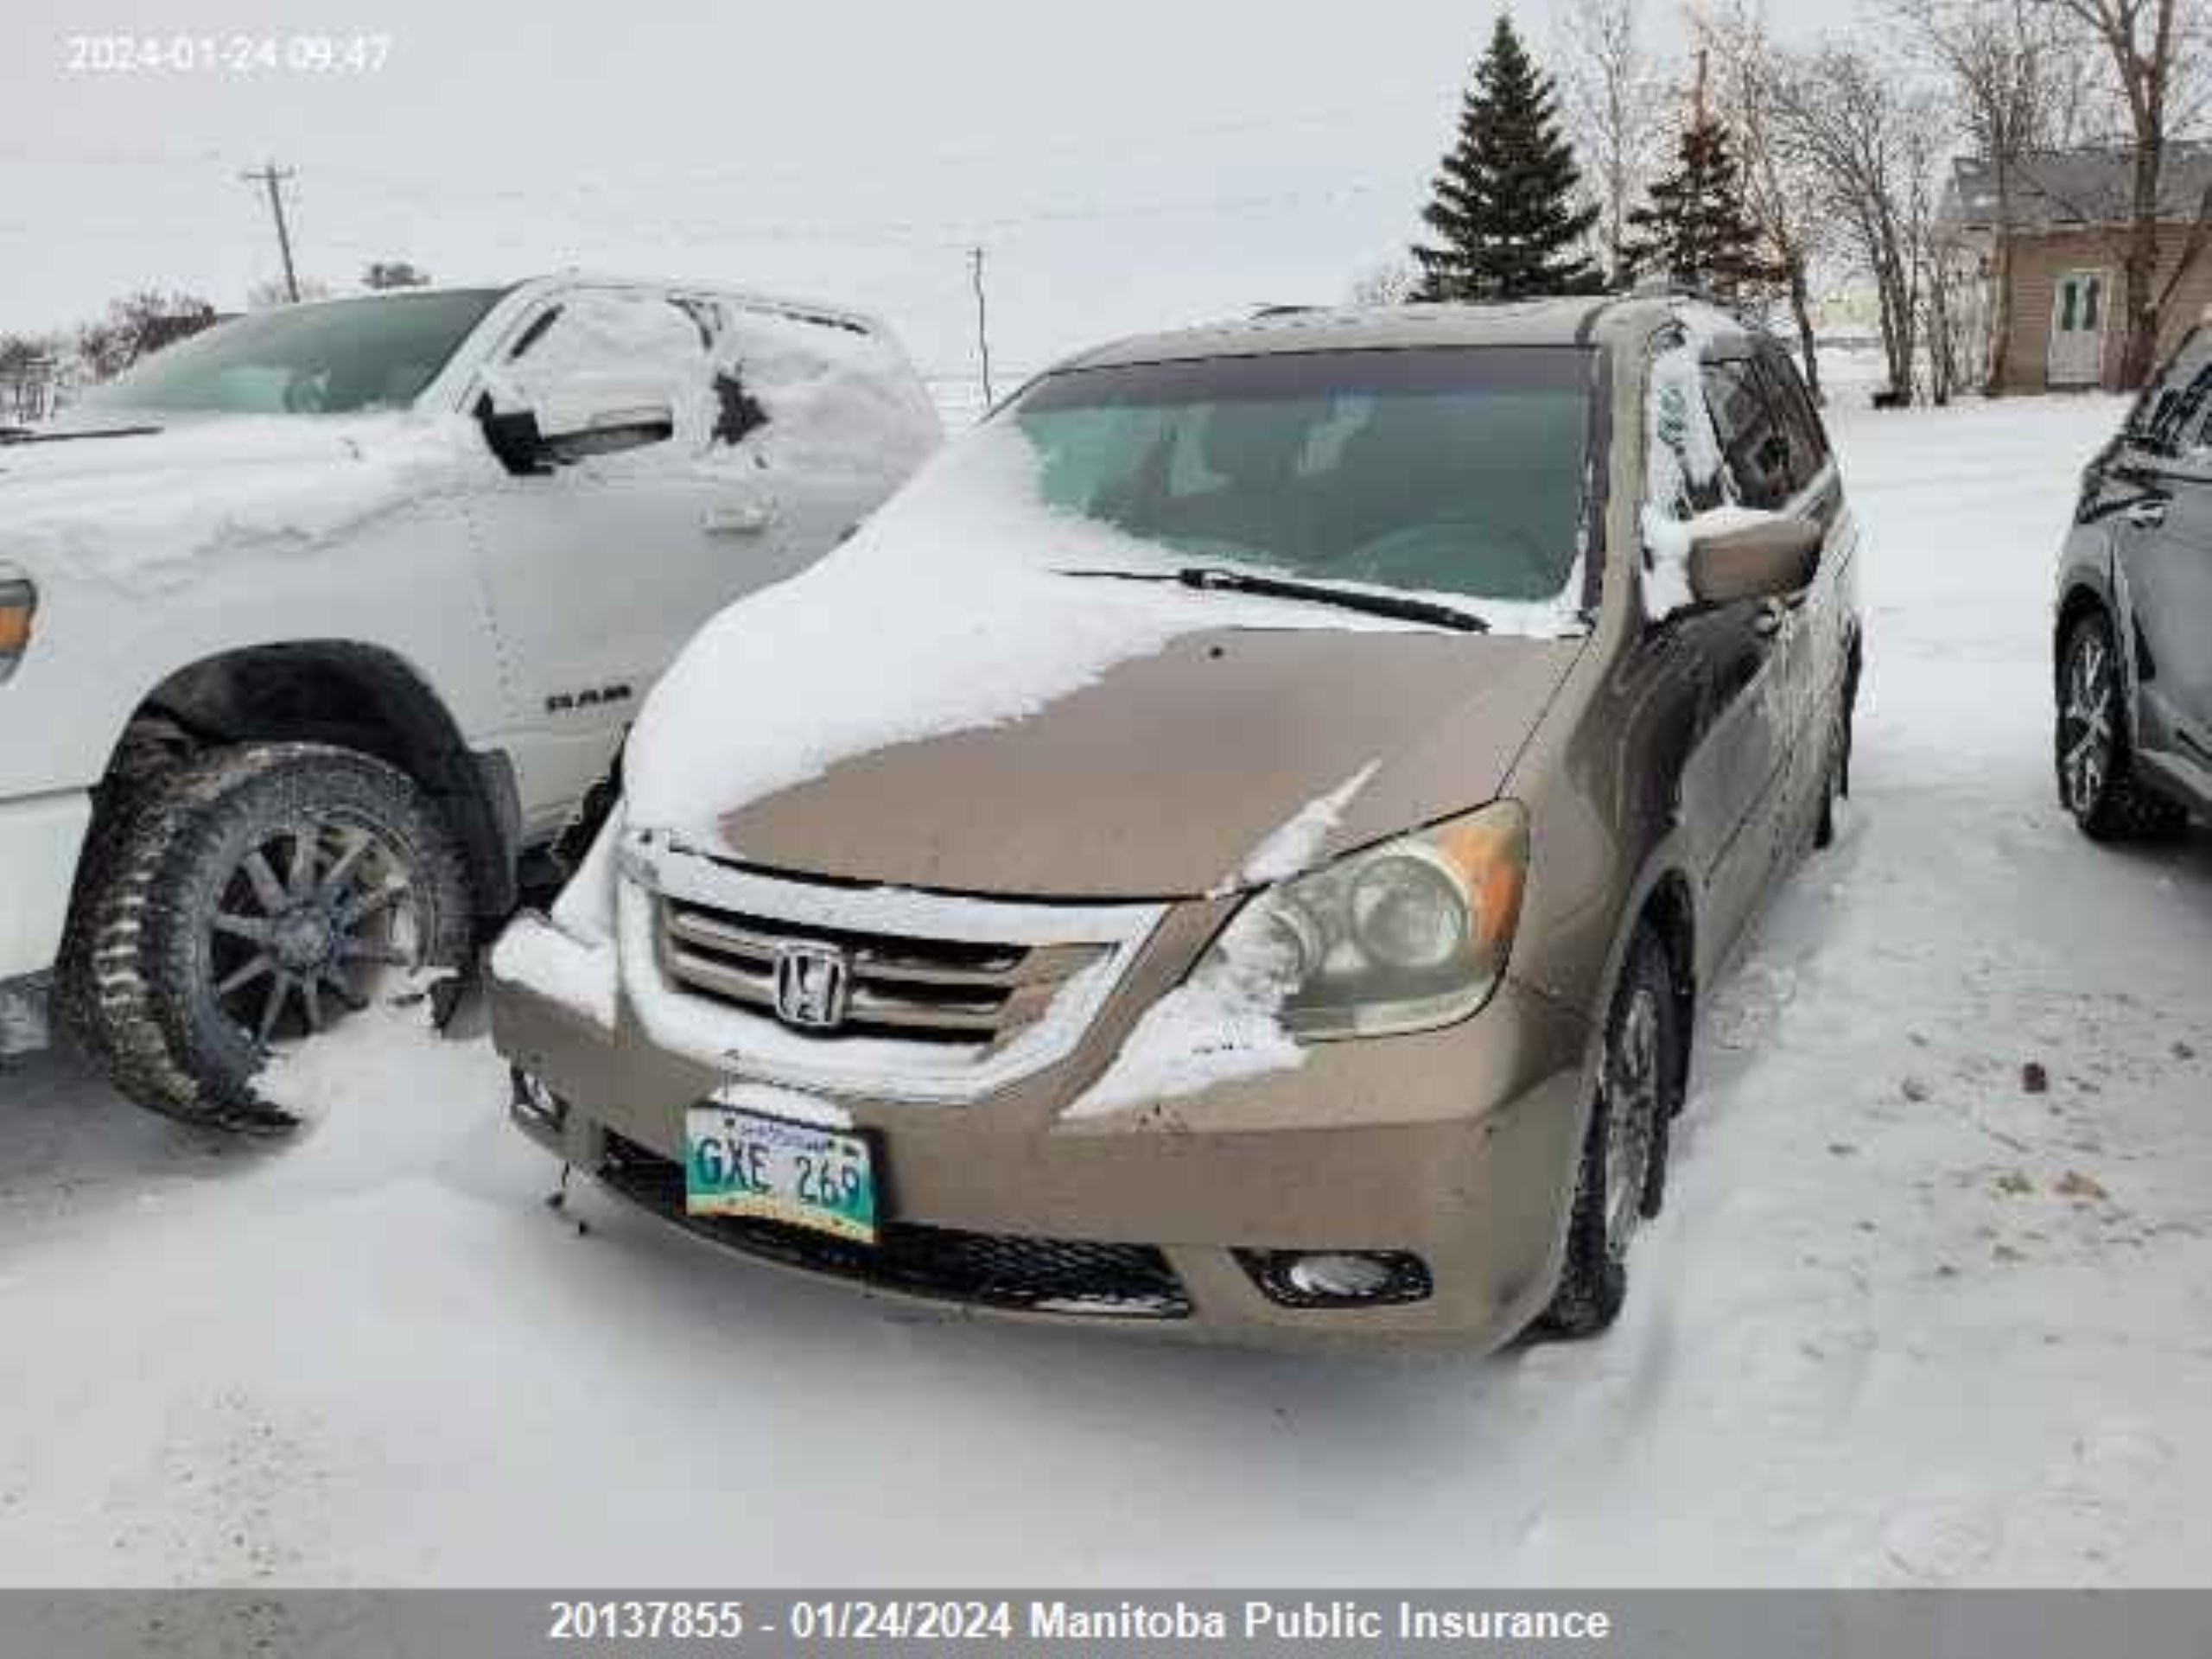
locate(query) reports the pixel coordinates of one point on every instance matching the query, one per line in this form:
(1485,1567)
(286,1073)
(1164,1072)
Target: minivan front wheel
(1621,1182)
(2097,770)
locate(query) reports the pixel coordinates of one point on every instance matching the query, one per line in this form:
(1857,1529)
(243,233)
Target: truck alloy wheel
(290,951)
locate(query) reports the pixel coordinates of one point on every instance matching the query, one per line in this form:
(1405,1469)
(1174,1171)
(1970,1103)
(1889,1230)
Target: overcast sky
(1128,165)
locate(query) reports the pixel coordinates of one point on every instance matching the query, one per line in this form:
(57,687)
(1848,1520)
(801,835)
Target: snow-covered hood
(937,706)
(120,443)
(104,500)
(1179,773)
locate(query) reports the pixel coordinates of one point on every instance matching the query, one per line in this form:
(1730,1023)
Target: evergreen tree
(1697,230)
(1504,210)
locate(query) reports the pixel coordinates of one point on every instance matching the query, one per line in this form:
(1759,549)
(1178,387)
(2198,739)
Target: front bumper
(41,838)
(1457,1147)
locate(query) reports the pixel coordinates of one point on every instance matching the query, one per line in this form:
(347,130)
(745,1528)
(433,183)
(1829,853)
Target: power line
(274,179)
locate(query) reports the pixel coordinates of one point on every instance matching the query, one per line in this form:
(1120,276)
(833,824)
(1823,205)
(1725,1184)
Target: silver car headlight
(1407,936)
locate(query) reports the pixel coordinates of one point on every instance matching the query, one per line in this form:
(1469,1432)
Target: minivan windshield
(340,358)
(1455,470)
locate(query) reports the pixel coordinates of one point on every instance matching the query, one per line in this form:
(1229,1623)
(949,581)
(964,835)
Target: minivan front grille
(957,993)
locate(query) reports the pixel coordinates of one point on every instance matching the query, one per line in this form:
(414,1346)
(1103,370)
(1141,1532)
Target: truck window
(340,357)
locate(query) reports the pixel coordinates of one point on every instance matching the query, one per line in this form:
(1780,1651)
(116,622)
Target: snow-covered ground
(1903,1320)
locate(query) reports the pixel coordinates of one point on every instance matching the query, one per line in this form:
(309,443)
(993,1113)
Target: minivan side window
(1755,445)
(1800,420)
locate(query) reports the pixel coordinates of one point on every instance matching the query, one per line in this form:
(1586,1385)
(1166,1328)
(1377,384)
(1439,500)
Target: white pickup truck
(313,625)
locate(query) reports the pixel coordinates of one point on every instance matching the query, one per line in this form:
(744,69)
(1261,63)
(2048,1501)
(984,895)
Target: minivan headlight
(1407,936)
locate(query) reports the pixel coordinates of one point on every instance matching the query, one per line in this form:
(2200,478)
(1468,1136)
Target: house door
(2078,329)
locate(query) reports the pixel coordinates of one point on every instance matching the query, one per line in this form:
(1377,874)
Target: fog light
(1338,1277)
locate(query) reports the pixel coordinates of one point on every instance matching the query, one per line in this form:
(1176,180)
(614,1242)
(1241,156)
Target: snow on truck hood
(937,705)
(143,510)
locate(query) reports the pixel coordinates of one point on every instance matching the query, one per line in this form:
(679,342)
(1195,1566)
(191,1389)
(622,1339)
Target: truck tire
(254,897)
(148,753)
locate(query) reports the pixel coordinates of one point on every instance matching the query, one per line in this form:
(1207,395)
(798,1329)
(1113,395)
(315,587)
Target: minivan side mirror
(1753,555)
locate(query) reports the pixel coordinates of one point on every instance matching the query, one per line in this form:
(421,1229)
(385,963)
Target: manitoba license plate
(741,1163)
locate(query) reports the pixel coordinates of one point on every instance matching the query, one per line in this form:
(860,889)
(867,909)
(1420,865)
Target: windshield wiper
(18,435)
(1215,579)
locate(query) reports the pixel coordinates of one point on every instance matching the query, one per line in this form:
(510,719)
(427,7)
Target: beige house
(2068,238)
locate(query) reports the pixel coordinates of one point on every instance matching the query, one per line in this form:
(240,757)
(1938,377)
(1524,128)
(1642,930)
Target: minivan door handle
(2149,513)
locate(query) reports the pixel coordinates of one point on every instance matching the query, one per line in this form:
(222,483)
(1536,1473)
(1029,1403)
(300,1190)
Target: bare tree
(136,325)
(1780,193)
(2015,88)
(1616,104)
(2153,51)
(1868,138)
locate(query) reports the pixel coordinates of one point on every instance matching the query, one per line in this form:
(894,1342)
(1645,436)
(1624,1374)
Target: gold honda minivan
(1236,845)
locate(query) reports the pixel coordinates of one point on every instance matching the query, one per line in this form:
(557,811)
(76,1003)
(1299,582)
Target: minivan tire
(1621,1182)
(223,837)
(2100,787)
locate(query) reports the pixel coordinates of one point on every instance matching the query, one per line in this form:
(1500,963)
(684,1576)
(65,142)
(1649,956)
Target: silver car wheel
(2086,740)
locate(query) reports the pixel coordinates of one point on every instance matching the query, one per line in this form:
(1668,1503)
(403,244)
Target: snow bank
(370,1051)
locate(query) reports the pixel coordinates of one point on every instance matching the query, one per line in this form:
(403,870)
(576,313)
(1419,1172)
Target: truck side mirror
(600,418)
(566,424)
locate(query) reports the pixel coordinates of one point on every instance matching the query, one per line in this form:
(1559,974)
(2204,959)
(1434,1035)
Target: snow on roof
(2057,189)
(1523,322)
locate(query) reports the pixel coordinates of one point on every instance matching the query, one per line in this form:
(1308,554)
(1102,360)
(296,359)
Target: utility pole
(982,322)
(274,179)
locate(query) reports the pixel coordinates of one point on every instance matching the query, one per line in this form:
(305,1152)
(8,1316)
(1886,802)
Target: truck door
(598,567)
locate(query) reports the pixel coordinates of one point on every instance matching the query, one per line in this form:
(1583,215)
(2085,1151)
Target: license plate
(741,1163)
